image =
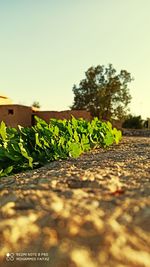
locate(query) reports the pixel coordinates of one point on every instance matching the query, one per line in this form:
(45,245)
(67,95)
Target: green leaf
(6,171)
(25,154)
(117,135)
(40,121)
(109,139)
(37,140)
(70,129)
(109,125)
(85,143)
(12,156)
(74,150)
(56,131)
(76,137)
(74,122)
(3,132)
(61,141)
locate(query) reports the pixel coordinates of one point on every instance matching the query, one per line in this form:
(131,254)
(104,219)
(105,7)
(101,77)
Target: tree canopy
(36,104)
(103,92)
(133,122)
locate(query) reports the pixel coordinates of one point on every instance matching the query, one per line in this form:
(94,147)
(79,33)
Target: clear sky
(47,45)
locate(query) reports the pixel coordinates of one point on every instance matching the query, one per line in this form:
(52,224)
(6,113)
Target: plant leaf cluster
(28,148)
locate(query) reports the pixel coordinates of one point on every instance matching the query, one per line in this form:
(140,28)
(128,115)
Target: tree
(133,122)
(36,104)
(103,92)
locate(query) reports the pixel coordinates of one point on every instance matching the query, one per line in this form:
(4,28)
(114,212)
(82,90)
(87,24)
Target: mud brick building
(14,115)
(66,114)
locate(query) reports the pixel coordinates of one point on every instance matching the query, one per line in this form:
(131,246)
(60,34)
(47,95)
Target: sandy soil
(93,211)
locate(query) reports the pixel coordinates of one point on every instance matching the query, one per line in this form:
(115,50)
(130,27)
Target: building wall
(14,115)
(117,123)
(47,115)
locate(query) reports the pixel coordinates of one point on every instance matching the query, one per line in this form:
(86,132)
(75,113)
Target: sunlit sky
(47,45)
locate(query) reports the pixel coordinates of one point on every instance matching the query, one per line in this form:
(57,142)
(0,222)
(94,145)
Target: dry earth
(87,212)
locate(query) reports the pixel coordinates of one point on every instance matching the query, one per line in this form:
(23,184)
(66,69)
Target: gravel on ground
(93,211)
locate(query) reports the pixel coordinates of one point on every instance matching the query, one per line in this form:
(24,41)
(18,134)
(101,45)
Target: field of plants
(28,148)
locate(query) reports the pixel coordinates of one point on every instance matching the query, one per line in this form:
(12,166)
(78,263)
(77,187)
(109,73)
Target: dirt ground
(93,211)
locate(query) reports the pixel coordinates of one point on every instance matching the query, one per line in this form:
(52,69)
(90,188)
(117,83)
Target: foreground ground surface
(89,212)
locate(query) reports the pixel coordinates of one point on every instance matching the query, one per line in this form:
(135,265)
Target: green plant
(103,92)
(133,122)
(36,104)
(28,148)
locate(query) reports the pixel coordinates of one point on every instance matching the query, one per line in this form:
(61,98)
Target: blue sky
(47,45)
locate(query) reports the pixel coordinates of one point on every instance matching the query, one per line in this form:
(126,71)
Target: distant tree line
(135,122)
